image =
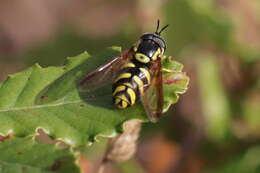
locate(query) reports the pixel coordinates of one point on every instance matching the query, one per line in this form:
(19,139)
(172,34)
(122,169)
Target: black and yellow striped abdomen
(130,82)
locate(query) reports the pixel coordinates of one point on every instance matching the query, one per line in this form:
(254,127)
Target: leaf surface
(26,155)
(49,98)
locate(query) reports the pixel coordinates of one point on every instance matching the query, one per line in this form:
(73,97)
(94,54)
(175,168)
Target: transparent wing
(152,98)
(104,74)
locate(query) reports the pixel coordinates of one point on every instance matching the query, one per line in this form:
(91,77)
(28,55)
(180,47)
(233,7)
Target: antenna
(157,28)
(158,25)
(163,28)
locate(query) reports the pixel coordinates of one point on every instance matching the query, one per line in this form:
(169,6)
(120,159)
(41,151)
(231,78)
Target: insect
(136,74)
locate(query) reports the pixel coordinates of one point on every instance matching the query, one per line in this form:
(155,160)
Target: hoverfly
(136,74)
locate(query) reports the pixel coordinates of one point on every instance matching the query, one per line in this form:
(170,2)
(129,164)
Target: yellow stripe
(128,84)
(122,76)
(117,100)
(142,58)
(139,83)
(124,104)
(118,89)
(123,97)
(132,95)
(128,65)
(155,55)
(147,74)
(121,102)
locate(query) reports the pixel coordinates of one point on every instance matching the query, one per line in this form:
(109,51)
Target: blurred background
(215,126)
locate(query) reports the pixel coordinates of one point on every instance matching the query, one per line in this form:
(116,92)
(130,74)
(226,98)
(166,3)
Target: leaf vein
(39,106)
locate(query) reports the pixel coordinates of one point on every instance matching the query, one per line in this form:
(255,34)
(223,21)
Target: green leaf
(175,82)
(26,155)
(49,98)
